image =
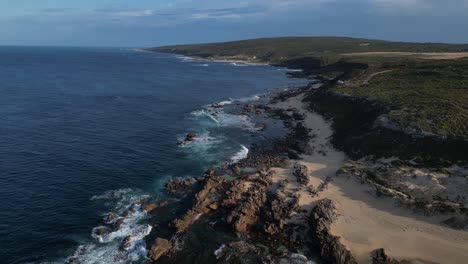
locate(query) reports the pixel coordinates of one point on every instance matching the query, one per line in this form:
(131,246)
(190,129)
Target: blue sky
(142,23)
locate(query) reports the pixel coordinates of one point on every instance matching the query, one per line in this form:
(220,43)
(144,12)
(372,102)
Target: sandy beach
(367,222)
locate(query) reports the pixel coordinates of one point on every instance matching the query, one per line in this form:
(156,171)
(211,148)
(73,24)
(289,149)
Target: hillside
(278,49)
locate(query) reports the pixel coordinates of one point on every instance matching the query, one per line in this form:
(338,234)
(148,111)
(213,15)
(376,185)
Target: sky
(148,23)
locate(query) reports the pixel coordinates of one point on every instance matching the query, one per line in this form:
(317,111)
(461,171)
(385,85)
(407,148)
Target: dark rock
(278,208)
(456,222)
(126,243)
(331,249)
(190,137)
(110,218)
(379,257)
(118,223)
(301,173)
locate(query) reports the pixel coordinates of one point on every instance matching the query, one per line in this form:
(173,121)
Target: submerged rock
(188,138)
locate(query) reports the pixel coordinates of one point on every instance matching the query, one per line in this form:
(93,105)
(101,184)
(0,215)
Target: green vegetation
(425,95)
(279,49)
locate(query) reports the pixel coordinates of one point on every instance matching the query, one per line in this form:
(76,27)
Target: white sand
(366,222)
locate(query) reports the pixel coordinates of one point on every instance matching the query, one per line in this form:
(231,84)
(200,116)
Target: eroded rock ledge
(330,247)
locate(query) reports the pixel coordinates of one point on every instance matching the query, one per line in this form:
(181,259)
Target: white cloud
(134,13)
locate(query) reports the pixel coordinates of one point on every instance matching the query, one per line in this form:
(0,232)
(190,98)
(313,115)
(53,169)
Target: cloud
(125,12)
(226,13)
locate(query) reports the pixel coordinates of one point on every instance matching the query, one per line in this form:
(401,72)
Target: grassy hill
(278,49)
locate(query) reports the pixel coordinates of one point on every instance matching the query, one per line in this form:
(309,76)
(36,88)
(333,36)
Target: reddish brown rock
(149,207)
(159,248)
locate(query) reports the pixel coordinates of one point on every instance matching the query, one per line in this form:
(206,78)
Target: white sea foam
(219,251)
(201,141)
(238,64)
(240,155)
(222,119)
(113,194)
(206,113)
(249,99)
(110,249)
(202,65)
(226,102)
(141,50)
(185,58)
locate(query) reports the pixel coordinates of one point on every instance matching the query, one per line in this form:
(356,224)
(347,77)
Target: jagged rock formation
(330,247)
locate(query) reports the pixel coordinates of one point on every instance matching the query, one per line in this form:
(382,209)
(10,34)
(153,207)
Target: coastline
(364,224)
(289,201)
(296,195)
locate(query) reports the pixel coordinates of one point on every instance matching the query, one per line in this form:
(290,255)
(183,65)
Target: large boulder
(159,248)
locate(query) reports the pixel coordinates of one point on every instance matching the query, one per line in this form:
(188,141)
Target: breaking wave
(240,155)
(117,244)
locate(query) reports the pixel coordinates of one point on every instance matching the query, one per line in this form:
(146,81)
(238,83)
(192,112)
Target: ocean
(87,131)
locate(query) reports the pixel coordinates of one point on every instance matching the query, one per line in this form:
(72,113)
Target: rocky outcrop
(457,222)
(149,207)
(330,247)
(301,173)
(247,211)
(379,257)
(179,186)
(206,200)
(159,248)
(277,210)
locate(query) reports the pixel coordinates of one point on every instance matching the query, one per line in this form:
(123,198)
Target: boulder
(159,248)
(149,207)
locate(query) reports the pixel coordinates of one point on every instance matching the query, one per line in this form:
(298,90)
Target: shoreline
(363,220)
(294,194)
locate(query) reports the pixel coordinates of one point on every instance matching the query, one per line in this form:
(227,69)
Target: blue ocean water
(82,126)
